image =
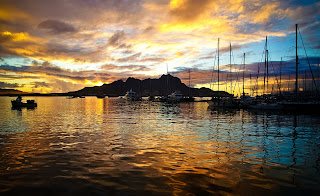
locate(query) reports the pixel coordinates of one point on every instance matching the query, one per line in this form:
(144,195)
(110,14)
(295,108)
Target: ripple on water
(107,146)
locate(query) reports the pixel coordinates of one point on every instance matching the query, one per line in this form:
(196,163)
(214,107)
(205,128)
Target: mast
(305,81)
(280,76)
(230,72)
(296,84)
(265,66)
(244,67)
(189,84)
(267,52)
(250,93)
(218,66)
(267,56)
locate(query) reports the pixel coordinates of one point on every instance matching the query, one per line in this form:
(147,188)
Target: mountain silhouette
(165,85)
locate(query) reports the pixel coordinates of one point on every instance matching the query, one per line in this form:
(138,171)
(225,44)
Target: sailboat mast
(244,67)
(218,66)
(265,67)
(267,57)
(296,84)
(280,76)
(230,72)
(189,84)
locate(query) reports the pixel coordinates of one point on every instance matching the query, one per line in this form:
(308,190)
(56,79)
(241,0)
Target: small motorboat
(132,96)
(29,103)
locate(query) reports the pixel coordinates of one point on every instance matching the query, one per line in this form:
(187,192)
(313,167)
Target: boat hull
(22,104)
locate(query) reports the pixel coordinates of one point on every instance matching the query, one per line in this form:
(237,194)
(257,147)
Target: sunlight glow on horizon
(140,39)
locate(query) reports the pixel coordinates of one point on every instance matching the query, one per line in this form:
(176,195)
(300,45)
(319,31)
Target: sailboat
(219,101)
(264,102)
(297,104)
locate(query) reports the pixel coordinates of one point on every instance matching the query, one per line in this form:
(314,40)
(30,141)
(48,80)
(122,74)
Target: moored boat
(100,96)
(132,96)
(29,103)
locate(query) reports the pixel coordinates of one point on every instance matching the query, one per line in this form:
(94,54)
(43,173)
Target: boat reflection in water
(105,146)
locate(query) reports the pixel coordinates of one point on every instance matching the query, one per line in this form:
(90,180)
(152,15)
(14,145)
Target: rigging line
(236,74)
(259,67)
(214,64)
(239,74)
(315,84)
(275,75)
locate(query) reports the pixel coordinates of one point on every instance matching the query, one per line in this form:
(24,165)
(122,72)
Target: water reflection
(108,146)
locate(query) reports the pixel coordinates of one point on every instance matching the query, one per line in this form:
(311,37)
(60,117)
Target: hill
(6,92)
(165,85)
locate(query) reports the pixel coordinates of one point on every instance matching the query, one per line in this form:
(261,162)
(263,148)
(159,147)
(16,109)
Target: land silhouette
(162,86)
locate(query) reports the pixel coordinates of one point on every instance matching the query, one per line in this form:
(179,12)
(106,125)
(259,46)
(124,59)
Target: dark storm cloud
(57,27)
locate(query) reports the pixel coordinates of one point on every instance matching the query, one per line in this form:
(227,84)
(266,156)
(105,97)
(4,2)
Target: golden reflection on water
(192,150)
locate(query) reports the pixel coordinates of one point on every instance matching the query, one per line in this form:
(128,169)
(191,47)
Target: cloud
(39,84)
(151,59)
(116,38)
(48,69)
(56,27)
(131,58)
(188,10)
(117,68)
(8,85)
(138,35)
(8,36)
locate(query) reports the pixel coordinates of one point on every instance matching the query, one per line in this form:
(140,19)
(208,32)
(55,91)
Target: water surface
(109,146)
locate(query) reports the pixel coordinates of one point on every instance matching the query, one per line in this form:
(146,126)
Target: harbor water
(91,146)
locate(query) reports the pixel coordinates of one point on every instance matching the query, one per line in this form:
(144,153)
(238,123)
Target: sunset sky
(64,45)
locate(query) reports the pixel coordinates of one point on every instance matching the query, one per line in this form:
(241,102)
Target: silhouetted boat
(101,96)
(151,98)
(132,96)
(29,103)
(223,102)
(161,99)
(176,96)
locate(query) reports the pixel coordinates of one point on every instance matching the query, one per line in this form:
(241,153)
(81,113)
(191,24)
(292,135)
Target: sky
(64,45)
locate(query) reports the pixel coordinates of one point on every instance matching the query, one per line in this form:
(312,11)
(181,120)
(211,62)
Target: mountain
(6,92)
(165,85)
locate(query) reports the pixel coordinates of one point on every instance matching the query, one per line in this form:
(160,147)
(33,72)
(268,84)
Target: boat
(223,101)
(132,96)
(160,99)
(28,104)
(151,98)
(101,96)
(298,103)
(176,96)
(187,99)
